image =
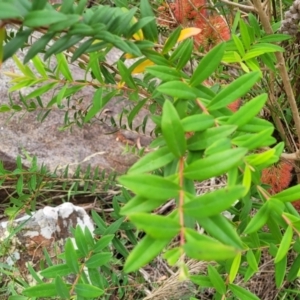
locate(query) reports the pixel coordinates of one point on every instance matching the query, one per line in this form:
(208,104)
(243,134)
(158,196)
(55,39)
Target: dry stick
(273,103)
(283,73)
(240,6)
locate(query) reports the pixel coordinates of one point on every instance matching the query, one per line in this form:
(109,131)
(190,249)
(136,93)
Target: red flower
(278,176)
(214,28)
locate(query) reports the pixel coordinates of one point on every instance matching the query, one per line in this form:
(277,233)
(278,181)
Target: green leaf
(41,290)
(284,244)
(9,11)
(214,202)
(152,161)
(16,43)
(81,50)
(294,270)
(81,7)
(134,111)
(37,47)
(203,140)
(150,29)
(247,176)
(99,259)
(245,34)
(139,25)
(242,293)
(251,259)
(112,228)
(147,249)
(253,141)
(280,270)
(67,6)
(234,267)
(87,291)
(218,146)
(81,241)
(216,280)
(172,256)
(183,53)
(57,270)
(239,45)
(233,91)
(63,25)
(140,204)
(141,184)
(290,194)
(63,66)
(274,37)
(172,40)
(45,17)
(71,257)
(61,288)
(103,242)
(23,68)
(260,49)
(172,130)
(17,297)
(177,89)
(197,246)
(126,76)
(62,44)
(201,280)
(255,125)
(96,107)
(156,57)
(248,111)
(94,64)
(38,4)
(39,65)
(164,73)
(208,64)
(262,158)
(40,91)
(153,224)
(197,122)
(220,228)
(255,24)
(4,108)
(259,220)
(215,165)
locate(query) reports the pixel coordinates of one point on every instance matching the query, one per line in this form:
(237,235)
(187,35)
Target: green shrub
(197,138)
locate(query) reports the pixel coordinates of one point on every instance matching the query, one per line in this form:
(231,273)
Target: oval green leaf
(150,186)
(215,165)
(158,227)
(177,89)
(233,91)
(144,252)
(213,203)
(172,130)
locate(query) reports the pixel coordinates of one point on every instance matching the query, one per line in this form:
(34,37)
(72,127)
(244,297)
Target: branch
(291,156)
(281,67)
(240,6)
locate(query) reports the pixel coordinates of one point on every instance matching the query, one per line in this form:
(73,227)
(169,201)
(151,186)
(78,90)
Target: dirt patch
(98,144)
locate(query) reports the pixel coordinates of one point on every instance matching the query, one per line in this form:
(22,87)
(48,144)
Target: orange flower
(234,106)
(214,28)
(214,31)
(278,176)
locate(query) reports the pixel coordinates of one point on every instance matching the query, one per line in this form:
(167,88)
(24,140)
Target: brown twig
(282,70)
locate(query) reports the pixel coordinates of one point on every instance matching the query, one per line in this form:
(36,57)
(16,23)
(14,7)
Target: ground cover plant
(220,82)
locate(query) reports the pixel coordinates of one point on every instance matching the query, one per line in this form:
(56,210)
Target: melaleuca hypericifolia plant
(197,136)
